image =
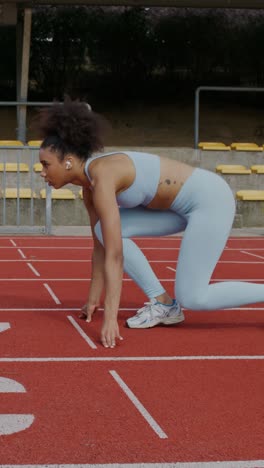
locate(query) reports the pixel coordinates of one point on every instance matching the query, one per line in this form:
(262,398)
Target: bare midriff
(173,175)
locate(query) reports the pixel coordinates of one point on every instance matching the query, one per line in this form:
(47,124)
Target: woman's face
(54,171)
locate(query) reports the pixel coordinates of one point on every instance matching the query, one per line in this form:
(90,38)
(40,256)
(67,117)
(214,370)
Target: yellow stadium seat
(250,195)
(34,142)
(258,168)
(60,194)
(232,169)
(246,147)
(37,167)
(11,143)
(14,167)
(21,193)
(213,146)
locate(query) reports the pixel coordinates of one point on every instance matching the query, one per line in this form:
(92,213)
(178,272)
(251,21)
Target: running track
(189,396)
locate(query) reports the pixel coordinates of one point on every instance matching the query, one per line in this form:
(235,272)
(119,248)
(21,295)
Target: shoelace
(147,308)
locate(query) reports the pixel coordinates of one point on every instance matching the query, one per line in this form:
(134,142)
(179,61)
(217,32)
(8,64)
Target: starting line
(135,358)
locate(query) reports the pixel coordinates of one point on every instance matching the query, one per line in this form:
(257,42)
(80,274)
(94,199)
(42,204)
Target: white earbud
(68,165)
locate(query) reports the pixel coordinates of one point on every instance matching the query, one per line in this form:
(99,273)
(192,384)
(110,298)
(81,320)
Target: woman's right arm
(98,256)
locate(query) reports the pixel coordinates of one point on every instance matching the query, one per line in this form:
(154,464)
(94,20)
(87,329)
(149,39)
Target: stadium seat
(34,142)
(21,193)
(14,167)
(37,167)
(246,147)
(232,169)
(60,194)
(213,146)
(258,168)
(250,195)
(11,143)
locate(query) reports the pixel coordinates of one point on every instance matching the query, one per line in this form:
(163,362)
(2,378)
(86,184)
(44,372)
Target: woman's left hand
(110,333)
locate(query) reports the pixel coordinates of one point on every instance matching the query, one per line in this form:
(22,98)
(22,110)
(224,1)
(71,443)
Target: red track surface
(201,382)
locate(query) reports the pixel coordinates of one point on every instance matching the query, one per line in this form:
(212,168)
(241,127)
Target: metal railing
(17,214)
(29,204)
(217,89)
(21,130)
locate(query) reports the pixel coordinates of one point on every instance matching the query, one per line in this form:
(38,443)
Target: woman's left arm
(104,199)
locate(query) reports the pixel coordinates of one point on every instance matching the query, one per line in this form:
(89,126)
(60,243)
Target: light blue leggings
(204,209)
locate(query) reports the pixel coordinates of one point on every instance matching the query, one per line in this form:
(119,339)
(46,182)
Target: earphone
(68,165)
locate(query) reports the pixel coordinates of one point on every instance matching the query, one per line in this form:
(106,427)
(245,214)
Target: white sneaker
(154,313)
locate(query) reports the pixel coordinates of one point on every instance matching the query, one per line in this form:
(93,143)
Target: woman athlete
(129,194)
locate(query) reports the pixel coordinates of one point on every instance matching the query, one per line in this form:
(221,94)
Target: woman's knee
(193,300)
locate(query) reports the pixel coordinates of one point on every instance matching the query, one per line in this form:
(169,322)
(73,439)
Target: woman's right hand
(87,311)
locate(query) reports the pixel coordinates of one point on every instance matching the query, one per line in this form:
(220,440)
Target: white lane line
(229,249)
(34,247)
(215,280)
(142,410)
(133,358)
(13,242)
(211,464)
(250,280)
(81,332)
(126,309)
(21,253)
(45,309)
(251,254)
(88,260)
(245,262)
(53,295)
(33,269)
(74,279)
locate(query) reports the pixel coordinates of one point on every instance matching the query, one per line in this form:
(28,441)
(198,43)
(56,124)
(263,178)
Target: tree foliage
(131,51)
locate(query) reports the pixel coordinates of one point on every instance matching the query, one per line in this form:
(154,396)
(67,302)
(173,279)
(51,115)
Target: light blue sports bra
(145,185)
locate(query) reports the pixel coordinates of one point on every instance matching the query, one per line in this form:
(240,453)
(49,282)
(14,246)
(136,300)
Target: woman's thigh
(141,221)
(203,242)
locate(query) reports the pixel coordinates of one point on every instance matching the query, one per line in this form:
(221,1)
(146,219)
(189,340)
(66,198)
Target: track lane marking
(251,254)
(53,295)
(33,269)
(239,262)
(41,309)
(127,309)
(134,358)
(211,464)
(255,280)
(142,410)
(229,249)
(21,253)
(81,332)
(14,423)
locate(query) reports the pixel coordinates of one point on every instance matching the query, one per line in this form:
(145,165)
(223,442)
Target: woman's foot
(154,313)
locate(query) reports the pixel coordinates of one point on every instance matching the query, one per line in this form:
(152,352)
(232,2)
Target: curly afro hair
(71,127)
